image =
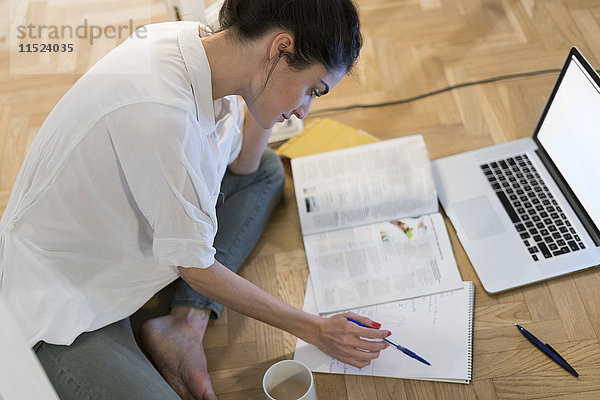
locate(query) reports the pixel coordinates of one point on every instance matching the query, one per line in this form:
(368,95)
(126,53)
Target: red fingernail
(389,333)
(376,324)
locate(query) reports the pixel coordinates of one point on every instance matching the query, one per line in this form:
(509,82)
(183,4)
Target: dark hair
(324,31)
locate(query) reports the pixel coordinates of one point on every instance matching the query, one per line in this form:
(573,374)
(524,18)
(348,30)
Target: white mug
(289,380)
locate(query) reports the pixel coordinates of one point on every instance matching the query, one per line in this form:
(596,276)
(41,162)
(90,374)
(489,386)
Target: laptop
(529,209)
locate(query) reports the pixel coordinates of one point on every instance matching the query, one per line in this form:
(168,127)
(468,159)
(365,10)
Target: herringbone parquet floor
(412,47)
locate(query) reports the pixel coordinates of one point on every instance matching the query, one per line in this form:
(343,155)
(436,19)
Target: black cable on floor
(436,92)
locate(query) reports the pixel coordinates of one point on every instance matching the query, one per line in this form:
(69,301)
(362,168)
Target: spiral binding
(471,288)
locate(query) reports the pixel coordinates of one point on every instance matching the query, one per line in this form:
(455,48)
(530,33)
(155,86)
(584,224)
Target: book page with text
(364,184)
(381,262)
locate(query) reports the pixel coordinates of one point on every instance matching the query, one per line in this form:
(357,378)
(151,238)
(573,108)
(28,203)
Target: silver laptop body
(511,235)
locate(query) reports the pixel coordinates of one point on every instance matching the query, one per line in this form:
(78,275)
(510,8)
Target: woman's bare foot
(174,344)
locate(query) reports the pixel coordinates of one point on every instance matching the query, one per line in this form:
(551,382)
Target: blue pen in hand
(401,348)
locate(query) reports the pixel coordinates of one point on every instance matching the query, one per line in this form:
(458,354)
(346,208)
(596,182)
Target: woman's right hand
(348,342)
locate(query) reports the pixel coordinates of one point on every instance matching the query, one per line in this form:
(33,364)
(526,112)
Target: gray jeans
(107,363)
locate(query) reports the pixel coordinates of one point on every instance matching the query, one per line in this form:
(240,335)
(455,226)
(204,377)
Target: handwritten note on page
(438,327)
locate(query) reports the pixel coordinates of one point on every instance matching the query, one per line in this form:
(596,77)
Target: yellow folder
(321,135)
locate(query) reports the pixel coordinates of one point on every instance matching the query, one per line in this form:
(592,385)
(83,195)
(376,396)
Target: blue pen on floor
(548,350)
(401,348)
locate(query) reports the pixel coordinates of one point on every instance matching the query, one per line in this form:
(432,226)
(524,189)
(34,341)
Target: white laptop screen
(570,134)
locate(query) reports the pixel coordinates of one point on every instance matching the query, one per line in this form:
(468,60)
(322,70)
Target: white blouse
(119,187)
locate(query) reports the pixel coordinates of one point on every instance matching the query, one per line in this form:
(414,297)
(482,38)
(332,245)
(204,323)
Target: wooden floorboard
(412,47)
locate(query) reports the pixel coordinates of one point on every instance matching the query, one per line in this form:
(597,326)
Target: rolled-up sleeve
(152,145)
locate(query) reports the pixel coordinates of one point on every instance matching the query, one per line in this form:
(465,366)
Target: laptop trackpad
(477,218)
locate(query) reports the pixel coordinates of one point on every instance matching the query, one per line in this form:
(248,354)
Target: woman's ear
(282,44)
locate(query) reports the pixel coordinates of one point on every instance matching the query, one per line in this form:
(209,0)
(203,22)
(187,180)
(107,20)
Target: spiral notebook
(438,327)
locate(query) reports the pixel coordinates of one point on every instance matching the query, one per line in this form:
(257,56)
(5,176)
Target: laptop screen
(570,135)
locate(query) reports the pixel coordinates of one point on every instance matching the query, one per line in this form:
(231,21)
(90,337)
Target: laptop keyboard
(536,215)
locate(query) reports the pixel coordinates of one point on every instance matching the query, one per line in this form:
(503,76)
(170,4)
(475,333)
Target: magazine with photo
(370,224)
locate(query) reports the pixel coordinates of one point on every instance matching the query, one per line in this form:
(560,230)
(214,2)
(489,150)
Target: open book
(370,225)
